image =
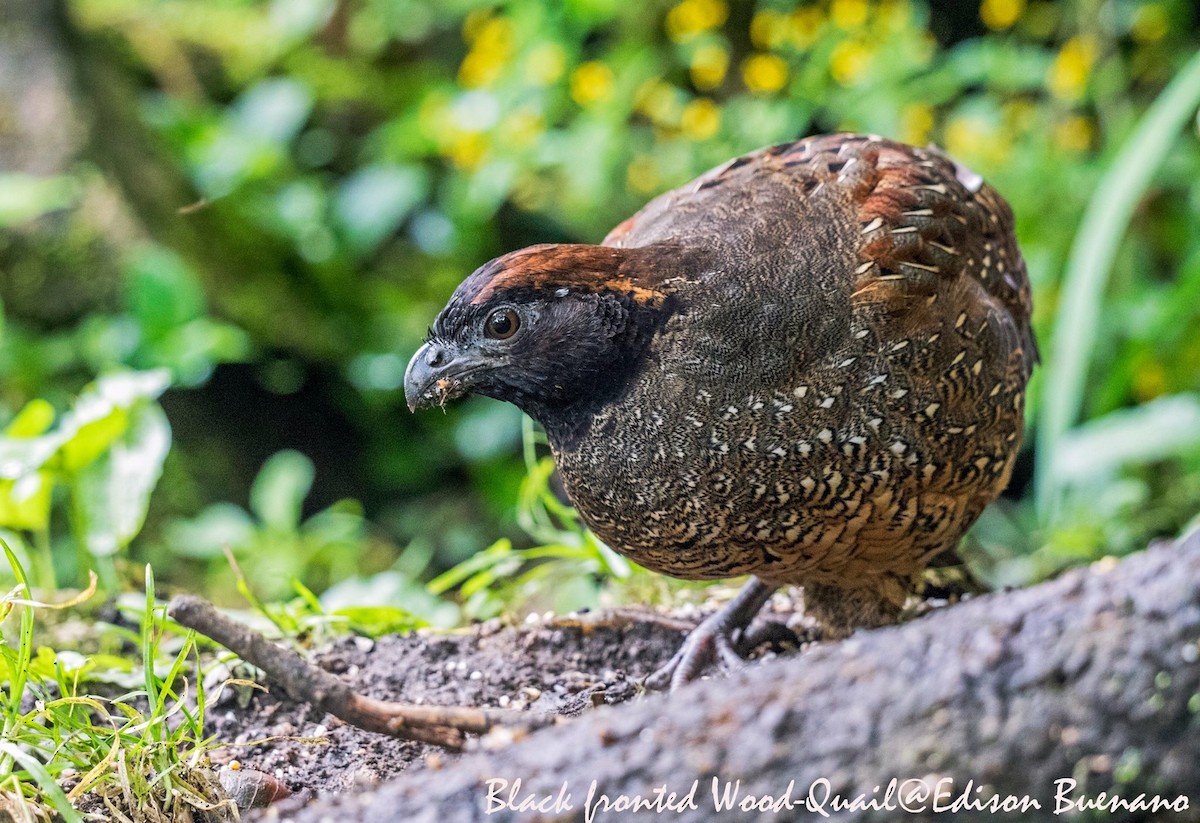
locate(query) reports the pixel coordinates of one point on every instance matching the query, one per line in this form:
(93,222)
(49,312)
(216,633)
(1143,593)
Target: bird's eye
(502,324)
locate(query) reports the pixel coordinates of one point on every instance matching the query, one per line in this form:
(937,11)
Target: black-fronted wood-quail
(808,365)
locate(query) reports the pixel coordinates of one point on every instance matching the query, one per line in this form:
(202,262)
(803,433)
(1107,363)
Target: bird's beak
(438,374)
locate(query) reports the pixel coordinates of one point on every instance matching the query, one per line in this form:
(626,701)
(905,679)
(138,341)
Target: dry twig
(445,726)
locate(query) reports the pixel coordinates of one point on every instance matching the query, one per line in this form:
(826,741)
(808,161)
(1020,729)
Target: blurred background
(225,225)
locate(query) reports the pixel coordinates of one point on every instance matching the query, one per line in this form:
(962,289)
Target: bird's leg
(713,641)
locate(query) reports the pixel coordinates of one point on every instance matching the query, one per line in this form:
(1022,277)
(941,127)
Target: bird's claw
(721,638)
(709,643)
(712,643)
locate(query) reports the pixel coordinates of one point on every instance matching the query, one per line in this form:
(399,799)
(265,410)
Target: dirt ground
(560,665)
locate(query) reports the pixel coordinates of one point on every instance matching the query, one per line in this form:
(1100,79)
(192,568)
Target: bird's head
(548,328)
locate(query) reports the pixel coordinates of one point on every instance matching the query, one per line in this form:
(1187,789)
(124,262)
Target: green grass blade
(50,789)
(1104,224)
(19,667)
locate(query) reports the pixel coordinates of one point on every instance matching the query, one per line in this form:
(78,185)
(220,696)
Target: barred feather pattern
(839,391)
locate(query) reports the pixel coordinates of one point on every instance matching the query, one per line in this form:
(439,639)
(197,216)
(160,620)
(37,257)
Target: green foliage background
(277,198)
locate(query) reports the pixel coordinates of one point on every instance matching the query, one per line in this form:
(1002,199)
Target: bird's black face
(544,347)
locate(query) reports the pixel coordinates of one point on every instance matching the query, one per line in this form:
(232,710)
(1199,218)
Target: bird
(807,366)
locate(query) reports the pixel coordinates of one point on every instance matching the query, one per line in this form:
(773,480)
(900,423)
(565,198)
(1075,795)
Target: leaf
(273,111)
(295,19)
(1092,255)
(25,503)
(209,532)
(375,200)
(24,197)
(163,293)
(379,620)
(49,786)
(124,388)
(1160,429)
(279,490)
(34,420)
(113,492)
(101,414)
(20,456)
(95,426)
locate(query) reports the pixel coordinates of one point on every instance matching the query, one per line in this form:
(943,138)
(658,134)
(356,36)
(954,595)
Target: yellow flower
(965,137)
(1019,116)
(491,46)
(804,26)
(1149,381)
(1074,134)
(530,193)
(479,69)
(691,17)
(916,121)
(591,83)
(467,150)
(977,142)
(1068,75)
(701,119)
(767,29)
(894,15)
(1000,14)
(545,64)
(522,128)
(849,14)
(642,175)
(764,73)
(474,22)
(658,100)
(432,117)
(709,65)
(1150,23)
(494,35)
(849,62)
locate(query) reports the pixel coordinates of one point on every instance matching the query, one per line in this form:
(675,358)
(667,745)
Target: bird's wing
(924,224)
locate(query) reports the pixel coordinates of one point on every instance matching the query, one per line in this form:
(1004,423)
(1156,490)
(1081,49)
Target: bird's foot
(724,638)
